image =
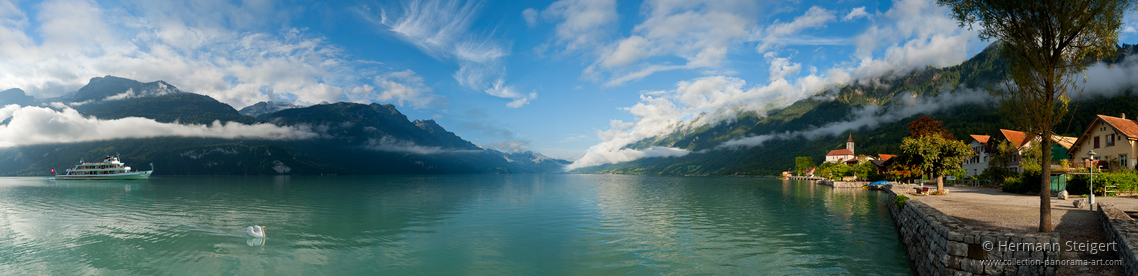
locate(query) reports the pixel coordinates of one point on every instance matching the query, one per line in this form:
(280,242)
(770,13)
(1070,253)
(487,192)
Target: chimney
(1124,115)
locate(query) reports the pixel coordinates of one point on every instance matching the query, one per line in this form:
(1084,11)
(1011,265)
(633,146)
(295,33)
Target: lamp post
(1092,170)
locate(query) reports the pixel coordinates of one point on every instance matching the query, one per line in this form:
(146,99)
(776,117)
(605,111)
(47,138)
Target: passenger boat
(110,168)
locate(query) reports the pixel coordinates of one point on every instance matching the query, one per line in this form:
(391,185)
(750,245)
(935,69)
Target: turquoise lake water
(444,225)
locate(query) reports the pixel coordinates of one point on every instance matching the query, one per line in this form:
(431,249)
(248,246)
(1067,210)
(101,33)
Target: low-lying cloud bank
(31,125)
(873,116)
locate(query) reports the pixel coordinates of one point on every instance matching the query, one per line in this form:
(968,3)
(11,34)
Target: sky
(572,79)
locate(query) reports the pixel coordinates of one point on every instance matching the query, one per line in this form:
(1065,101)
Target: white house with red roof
(842,155)
(979,162)
(1112,138)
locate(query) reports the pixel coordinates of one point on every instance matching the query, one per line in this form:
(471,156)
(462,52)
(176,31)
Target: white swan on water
(256,231)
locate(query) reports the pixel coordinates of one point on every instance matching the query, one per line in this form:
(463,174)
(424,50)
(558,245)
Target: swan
(256,231)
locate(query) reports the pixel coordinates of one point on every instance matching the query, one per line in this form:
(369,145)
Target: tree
(928,126)
(1000,163)
(1047,43)
(803,163)
(932,154)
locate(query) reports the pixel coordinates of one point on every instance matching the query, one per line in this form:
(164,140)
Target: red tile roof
(839,152)
(983,139)
(1017,138)
(1127,127)
(886,156)
(1124,126)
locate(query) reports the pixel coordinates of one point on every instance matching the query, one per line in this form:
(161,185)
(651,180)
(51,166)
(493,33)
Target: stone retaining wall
(1122,229)
(938,244)
(844,184)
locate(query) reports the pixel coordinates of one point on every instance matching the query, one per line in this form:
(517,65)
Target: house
(842,155)
(979,162)
(1112,138)
(987,147)
(884,163)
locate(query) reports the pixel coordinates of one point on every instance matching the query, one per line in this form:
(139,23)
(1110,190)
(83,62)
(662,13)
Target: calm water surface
(449,224)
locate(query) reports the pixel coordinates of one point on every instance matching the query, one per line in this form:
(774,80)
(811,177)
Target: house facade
(979,162)
(986,147)
(1112,138)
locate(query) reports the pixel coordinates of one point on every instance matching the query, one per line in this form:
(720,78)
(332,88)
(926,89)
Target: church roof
(840,152)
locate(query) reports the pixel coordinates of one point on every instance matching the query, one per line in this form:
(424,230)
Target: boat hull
(117,176)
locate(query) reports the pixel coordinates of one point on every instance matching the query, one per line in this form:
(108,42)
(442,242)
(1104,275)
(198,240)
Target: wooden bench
(1109,189)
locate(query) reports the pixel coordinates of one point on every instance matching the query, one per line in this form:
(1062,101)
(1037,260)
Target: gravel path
(995,209)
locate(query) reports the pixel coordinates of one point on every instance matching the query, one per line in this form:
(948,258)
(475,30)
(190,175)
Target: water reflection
(460,224)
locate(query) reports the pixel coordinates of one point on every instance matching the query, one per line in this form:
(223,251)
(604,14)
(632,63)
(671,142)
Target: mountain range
(874,112)
(349,138)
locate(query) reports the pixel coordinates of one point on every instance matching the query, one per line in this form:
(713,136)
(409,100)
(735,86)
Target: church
(842,155)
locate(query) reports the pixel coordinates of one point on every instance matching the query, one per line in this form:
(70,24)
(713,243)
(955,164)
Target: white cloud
(914,33)
(694,103)
(699,32)
(32,125)
(530,15)
(873,116)
(1103,80)
(508,146)
(856,13)
(391,144)
(585,24)
(210,48)
(403,88)
(442,29)
(815,17)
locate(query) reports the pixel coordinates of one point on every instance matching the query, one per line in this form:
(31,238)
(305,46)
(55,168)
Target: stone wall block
(957,249)
(975,267)
(955,236)
(953,262)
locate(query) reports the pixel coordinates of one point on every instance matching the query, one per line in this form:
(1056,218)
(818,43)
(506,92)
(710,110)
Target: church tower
(850,144)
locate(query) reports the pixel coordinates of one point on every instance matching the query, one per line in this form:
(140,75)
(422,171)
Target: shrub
(900,201)
(1126,182)
(1078,184)
(1011,184)
(1027,182)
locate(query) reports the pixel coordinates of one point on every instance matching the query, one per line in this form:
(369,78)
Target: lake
(444,225)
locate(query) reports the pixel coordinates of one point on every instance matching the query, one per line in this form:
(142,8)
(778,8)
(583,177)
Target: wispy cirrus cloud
(442,29)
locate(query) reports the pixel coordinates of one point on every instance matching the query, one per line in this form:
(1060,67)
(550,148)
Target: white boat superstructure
(110,168)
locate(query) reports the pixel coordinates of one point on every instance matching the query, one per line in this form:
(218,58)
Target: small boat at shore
(110,168)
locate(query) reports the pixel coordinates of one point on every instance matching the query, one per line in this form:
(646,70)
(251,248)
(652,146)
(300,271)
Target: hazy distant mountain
(16,96)
(353,139)
(257,110)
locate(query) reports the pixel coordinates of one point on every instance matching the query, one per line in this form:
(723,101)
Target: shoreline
(952,243)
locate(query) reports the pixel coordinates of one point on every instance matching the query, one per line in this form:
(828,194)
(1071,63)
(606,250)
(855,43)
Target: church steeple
(850,143)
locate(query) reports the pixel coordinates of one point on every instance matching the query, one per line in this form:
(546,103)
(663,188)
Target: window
(1122,158)
(1096,142)
(1110,140)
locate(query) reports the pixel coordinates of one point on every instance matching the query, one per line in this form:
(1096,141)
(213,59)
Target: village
(996,196)
(1005,159)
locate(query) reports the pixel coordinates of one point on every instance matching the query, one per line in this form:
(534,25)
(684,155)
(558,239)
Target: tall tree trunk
(1045,184)
(940,185)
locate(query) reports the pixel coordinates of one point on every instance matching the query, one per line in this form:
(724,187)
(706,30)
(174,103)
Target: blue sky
(557,77)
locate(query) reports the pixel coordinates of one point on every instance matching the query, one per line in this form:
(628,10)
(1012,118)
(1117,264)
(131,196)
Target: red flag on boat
(52,170)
